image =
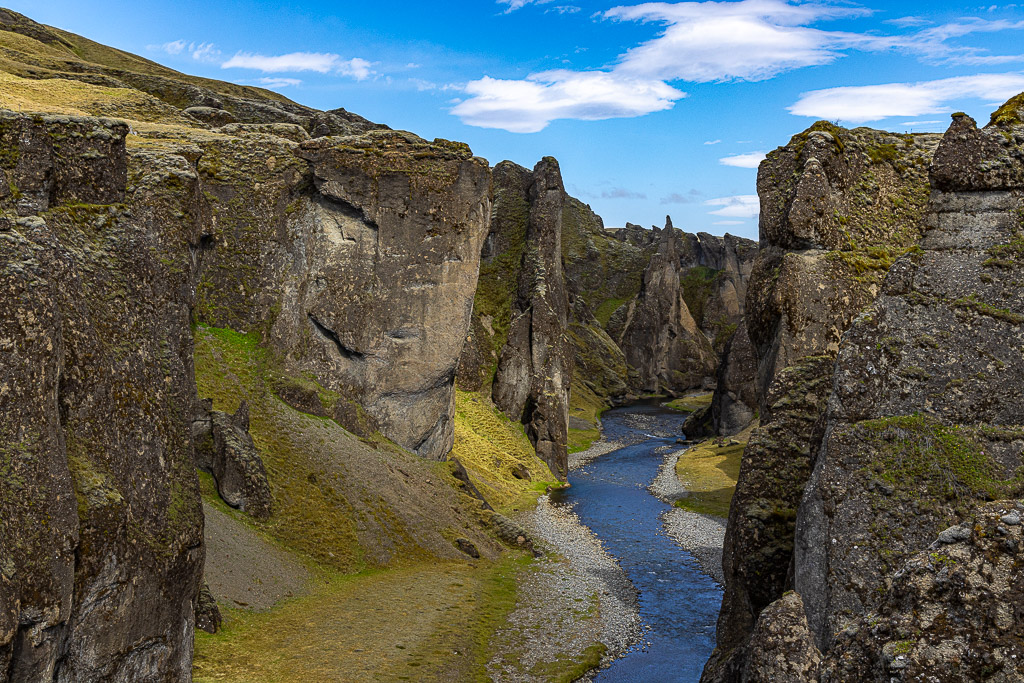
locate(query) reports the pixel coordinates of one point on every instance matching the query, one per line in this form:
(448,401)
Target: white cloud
(201,52)
(175,47)
(528,106)
(859,104)
(921,123)
(720,41)
(711,142)
(279,82)
(564,9)
(749,40)
(739,206)
(357,68)
(204,52)
(513,5)
(908,21)
(728,223)
(749,160)
(622,193)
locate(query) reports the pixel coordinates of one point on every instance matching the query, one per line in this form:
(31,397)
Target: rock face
(837,207)
(782,649)
(535,368)
(224,448)
(363,282)
(659,336)
(734,404)
(951,612)
(100,520)
(926,418)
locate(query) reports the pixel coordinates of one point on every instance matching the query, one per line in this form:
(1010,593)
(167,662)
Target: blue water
(678,603)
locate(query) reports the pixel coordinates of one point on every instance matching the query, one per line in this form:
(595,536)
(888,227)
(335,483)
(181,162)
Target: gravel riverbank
(577,571)
(701,535)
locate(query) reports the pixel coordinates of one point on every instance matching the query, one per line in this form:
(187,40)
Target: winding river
(678,602)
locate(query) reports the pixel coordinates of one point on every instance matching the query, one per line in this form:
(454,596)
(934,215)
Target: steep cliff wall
(837,207)
(659,336)
(99,504)
(358,258)
(535,366)
(925,423)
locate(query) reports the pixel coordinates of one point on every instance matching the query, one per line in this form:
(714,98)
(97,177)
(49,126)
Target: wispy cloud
(201,52)
(622,193)
(564,9)
(859,104)
(739,206)
(677,198)
(904,22)
(513,5)
(320,62)
(528,106)
(728,223)
(921,123)
(749,160)
(711,142)
(704,42)
(279,82)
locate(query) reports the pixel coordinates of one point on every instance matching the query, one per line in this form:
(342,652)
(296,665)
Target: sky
(652,109)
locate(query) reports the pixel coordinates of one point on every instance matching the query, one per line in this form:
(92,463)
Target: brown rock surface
(535,367)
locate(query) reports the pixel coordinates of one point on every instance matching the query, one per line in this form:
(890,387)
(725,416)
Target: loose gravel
(701,535)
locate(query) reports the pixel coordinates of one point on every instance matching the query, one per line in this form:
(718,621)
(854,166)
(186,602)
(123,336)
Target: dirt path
(424,623)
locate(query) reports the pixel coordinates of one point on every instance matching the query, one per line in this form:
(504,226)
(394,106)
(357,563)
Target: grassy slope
(709,471)
(360,622)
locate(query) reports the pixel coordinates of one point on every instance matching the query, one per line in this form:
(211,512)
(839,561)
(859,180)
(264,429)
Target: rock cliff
(534,370)
(330,276)
(99,504)
(837,207)
(925,423)
(889,538)
(659,336)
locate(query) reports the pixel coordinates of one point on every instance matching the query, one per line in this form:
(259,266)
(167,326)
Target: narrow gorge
(289,395)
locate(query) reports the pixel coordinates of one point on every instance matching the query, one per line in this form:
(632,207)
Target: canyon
(250,347)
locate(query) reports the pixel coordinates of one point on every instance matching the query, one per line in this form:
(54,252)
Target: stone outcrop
(782,649)
(837,208)
(358,259)
(951,612)
(659,337)
(535,367)
(100,519)
(224,448)
(925,420)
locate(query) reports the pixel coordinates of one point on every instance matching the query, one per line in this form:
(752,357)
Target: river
(678,602)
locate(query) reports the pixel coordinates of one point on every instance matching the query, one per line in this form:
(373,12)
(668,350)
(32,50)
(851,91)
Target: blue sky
(651,108)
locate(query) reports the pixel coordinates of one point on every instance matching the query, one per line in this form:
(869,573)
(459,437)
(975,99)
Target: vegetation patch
(586,406)
(496,452)
(697,284)
(428,622)
(689,404)
(930,460)
(709,472)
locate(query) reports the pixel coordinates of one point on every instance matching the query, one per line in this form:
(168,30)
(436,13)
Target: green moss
(688,404)
(1009,114)
(698,284)
(606,309)
(709,472)
(884,153)
(493,449)
(973,303)
(918,454)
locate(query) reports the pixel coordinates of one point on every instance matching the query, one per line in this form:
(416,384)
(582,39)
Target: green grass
(491,447)
(603,313)
(688,404)
(429,622)
(709,472)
